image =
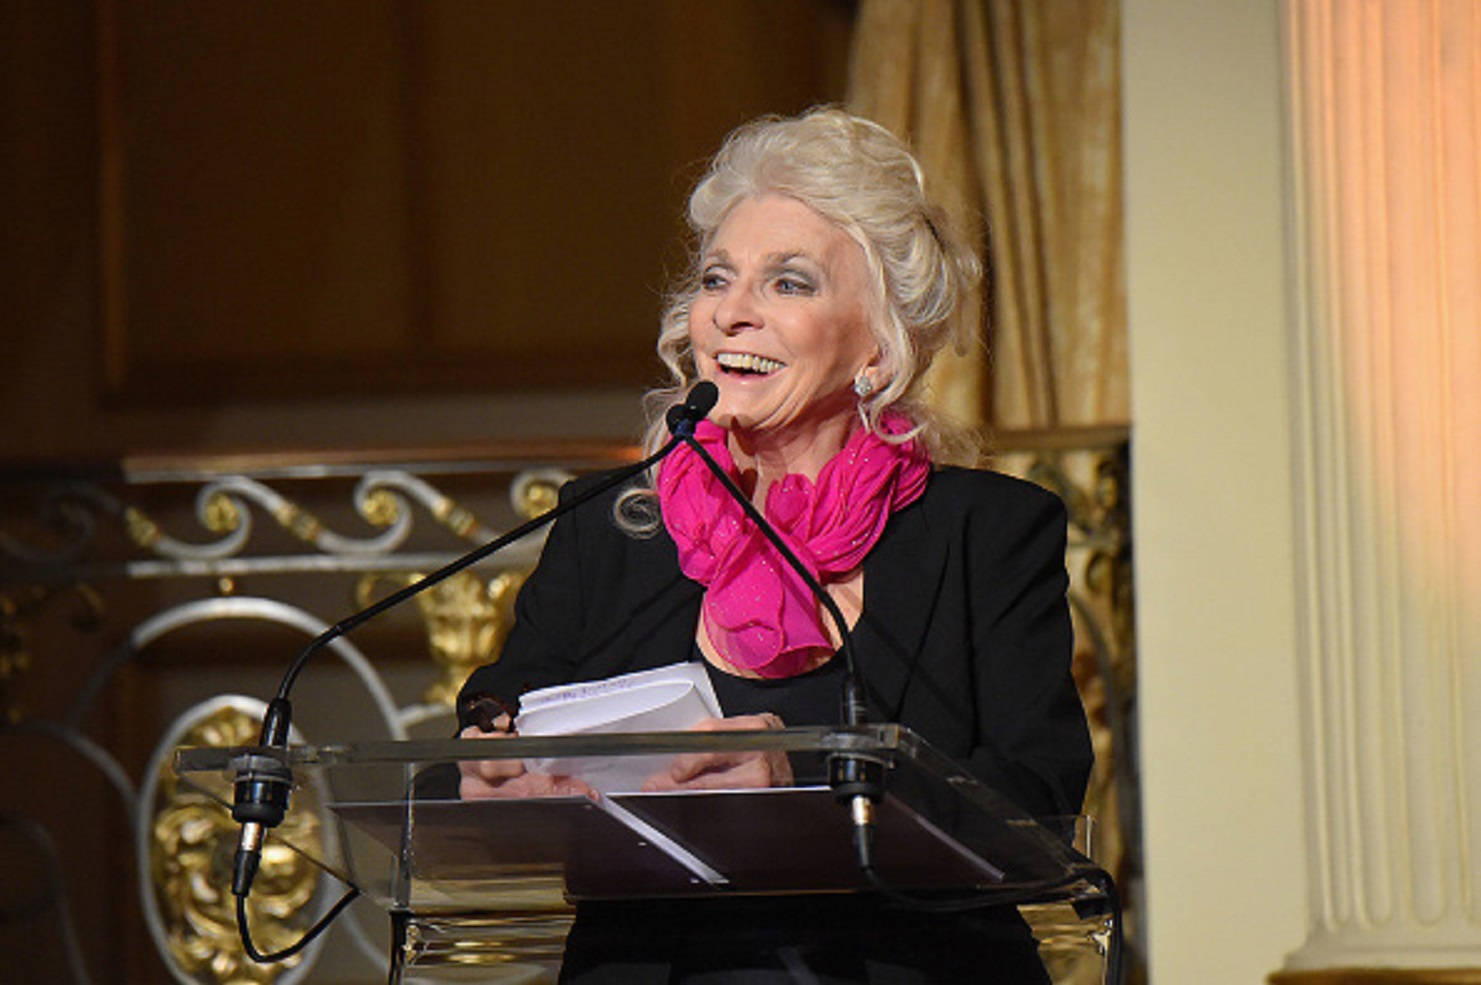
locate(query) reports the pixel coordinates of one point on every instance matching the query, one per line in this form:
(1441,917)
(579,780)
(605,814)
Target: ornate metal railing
(103,568)
(1090,469)
(108,576)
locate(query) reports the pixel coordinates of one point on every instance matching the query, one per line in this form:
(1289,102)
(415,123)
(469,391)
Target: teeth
(748,362)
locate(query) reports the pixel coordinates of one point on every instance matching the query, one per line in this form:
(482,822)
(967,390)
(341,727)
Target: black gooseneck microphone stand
(859,780)
(856,780)
(263,779)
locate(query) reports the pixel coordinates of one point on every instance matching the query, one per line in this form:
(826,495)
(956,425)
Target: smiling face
(780,324)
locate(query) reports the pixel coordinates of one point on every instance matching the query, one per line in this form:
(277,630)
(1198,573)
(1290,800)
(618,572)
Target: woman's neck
(763,458)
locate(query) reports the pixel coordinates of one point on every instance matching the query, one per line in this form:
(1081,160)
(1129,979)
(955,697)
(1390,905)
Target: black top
(812,698)
(964,637)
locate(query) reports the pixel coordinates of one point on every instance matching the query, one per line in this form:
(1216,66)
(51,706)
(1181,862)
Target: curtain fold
(1012,107)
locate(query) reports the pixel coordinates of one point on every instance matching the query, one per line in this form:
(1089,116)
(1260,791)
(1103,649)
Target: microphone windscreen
(702,399)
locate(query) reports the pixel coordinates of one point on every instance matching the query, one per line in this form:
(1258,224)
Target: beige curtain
(1013,108)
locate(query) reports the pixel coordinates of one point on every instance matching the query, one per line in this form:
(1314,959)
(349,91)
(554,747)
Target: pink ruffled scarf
(758,613)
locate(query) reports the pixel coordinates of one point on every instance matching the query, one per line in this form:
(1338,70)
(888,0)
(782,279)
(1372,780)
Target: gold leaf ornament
(380,508)
(192,841)
(140,528)
(537,498)
(221,514)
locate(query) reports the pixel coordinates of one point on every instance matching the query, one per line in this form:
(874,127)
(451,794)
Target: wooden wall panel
(542,167)
(208,202)
(264,180)
(368,197)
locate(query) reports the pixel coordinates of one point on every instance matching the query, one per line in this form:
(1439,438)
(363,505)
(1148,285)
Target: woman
(824,283)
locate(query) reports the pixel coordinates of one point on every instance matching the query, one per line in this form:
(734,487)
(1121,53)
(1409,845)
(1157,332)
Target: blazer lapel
(662,626)
(902,581)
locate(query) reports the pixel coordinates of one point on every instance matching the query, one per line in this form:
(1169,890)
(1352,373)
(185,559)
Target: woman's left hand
(727,770)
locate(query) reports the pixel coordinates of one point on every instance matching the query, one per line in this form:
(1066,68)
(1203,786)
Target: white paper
(665,699)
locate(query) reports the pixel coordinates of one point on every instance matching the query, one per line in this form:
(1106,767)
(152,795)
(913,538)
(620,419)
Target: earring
(863,385)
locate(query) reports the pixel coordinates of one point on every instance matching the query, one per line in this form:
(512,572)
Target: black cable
(301,943)
(856,779)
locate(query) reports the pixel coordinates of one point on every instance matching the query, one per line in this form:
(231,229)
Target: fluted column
(1386,124)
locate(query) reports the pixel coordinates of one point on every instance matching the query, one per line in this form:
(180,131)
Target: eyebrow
(776,259)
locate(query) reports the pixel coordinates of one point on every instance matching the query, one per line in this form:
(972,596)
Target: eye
(711,280)
(793,284)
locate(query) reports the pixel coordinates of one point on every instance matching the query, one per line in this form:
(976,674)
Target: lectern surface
(409,844)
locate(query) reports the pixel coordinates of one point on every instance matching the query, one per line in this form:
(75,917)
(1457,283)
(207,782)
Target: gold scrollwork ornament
(192,838)
(467,619)
(221,514)
(380,508)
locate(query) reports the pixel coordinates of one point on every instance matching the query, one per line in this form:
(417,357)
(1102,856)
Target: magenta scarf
(758,612)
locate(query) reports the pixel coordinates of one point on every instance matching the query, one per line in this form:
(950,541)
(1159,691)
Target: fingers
(488,778)
(740,723)
(474,787)
(488,768)
(481,778)
(526,785)
(723,771)
(727,770)
(691,765)
(499,727)
(508,779)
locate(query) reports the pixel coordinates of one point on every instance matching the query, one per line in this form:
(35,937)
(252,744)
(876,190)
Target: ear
(873,371)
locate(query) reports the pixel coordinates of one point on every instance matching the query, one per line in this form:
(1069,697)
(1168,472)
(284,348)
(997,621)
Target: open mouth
(746,364)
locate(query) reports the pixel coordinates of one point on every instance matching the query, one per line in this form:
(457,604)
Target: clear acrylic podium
(491,882)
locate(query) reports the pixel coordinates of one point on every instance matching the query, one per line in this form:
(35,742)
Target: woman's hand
(727,770)
(484,778)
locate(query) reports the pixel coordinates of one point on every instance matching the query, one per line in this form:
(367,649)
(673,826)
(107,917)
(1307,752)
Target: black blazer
(964,635)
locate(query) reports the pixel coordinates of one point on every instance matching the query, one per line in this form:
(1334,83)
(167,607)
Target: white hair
(860,177)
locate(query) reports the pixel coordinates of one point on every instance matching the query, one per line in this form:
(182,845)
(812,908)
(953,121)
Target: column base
(1378,976)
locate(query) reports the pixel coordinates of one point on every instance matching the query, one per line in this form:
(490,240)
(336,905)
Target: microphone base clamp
(851,775)
(261,789)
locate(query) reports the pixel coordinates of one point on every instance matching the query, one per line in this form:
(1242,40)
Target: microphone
(683,418)
(856,780)
(263,780)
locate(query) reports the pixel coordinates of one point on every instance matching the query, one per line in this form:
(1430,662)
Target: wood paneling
(363,197)
(211,206)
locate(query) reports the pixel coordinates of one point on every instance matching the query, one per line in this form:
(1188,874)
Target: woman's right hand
(481,779)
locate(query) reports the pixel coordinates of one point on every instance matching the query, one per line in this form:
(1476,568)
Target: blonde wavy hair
(859,176)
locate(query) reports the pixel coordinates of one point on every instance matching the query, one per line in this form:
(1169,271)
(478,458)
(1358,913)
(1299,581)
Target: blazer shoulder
(598,513)
(968,490)
(604,542)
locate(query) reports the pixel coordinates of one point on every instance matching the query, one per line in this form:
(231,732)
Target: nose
(736,310)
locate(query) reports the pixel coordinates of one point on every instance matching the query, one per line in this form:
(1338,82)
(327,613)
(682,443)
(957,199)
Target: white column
(1386,123)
